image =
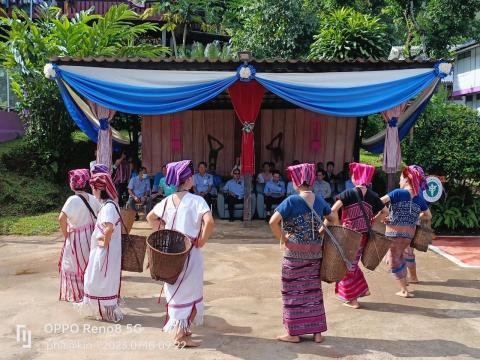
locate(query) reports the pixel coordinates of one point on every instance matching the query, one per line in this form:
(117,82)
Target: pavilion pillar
(247,99)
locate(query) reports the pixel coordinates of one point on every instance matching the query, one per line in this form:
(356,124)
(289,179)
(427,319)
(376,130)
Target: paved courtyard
(243,309)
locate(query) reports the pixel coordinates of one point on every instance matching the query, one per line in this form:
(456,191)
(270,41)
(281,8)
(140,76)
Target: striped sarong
(303,309)
(353,285)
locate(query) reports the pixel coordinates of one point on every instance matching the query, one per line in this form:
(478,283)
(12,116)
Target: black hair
(330,163)
(202,163)
(142,168)
(276,172)
(295,162)
(104,195)
(323,172)
(267,163)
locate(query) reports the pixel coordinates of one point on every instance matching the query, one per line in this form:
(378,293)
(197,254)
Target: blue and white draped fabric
(376,143)
(357,93)
(82,116)
(146,92)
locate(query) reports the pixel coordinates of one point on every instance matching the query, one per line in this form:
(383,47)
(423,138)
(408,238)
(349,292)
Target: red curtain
(247,99)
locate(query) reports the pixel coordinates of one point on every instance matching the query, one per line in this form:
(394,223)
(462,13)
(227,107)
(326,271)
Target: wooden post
(247,215)
(390,182)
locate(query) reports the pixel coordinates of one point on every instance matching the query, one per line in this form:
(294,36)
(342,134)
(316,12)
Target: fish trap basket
(375,249)
(344,241)
(423,237)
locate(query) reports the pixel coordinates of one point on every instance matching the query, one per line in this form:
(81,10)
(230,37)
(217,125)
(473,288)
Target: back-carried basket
(340,246)
(375,249)
(423,237)
(133,248)
(167,252)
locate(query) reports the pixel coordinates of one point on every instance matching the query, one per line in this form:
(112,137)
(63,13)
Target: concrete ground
(243,309)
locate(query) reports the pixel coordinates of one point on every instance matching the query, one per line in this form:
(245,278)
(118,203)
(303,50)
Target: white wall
(467,70)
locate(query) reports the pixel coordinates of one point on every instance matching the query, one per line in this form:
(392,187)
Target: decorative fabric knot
(246,72)
(393,122)
(104,124)
(248,127)
(443,69)
(49,70)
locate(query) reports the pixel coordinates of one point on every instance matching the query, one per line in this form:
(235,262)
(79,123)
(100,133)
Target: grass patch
(370,158)
(10,145)
(44,224)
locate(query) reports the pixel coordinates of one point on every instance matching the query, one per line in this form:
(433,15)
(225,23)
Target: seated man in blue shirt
(234,190)
(203,182)
(274,193)
(139,191)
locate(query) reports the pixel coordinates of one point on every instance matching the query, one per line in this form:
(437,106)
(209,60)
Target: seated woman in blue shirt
(274,192)
(234,191)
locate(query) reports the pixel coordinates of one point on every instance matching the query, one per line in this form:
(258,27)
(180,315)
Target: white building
(466,75)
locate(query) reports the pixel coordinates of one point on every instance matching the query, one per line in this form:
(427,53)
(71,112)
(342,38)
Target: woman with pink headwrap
(353,203)
(303,309)
(406,208)
(102,277)
(409,253)
(77,221)
(189,214)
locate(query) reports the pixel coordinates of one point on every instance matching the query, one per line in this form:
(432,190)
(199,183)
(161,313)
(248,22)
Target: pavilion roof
(261,65)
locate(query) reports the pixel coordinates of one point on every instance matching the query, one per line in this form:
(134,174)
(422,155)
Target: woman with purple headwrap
(303,309)
(77,221)
(189,214)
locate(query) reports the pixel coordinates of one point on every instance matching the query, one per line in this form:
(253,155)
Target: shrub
(349,34)
(21,195)
(447,142)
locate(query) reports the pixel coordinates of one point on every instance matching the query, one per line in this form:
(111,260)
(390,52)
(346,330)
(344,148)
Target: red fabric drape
(247,99)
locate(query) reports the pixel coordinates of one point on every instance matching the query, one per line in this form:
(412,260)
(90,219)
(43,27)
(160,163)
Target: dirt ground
(243,309)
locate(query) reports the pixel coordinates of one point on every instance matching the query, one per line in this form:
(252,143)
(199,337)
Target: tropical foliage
(27,45)
(272,28)
(349,34)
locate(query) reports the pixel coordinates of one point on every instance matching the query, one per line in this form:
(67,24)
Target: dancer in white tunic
(77,221)
(102,277)
(190,215)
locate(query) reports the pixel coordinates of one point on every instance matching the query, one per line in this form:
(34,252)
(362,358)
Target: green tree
(349,34)
(434,25)
(271,28)
(28,45)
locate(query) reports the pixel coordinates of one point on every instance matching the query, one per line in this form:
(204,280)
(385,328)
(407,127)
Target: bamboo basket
(133,252)
(167,252)
(128,217)
(375,249)
(334,267)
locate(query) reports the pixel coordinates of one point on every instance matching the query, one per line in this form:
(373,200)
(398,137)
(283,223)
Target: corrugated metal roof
(264,65)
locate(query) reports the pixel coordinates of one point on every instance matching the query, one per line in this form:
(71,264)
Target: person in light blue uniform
(139,191)
(234,191)
(203,183)
(274,192)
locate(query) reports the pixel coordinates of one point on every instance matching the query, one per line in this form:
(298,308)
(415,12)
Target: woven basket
(423,237)
(375,249)
(333,266)
(133,252)
(128,217)
(167,252)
